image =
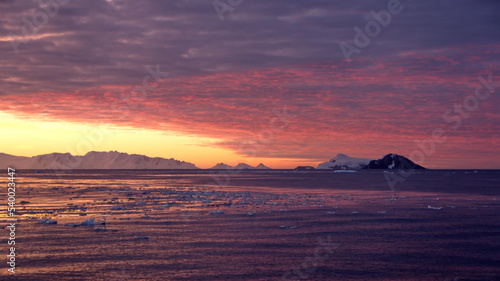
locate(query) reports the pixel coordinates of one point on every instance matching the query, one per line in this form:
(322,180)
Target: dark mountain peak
(393,161)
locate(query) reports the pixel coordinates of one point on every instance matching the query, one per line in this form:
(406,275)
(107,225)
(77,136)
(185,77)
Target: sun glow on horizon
(31,137)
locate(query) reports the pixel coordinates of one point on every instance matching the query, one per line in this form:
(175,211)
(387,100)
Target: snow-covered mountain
(222,166)
(393,161)
(240,166)
(262,167)
(91,160)
(344,162)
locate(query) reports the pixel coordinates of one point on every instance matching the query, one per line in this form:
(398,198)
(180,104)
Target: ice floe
(47,221)
(92,221)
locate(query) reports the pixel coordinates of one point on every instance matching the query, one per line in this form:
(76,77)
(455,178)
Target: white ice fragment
(47,221)
(92,221)
(98,229)
(141,237)
(434,208)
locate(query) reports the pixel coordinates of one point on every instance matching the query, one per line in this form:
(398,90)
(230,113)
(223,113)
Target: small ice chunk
(47,221)
(92,221)
(141,237)
(434,208)
(98,229)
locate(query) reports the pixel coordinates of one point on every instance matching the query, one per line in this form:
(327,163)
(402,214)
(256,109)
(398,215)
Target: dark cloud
(109,42)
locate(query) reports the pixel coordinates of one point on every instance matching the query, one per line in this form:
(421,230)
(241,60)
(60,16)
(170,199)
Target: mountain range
(240,166)
(344,162)
(91,160)
(389,161)
(393,161)
(119,160)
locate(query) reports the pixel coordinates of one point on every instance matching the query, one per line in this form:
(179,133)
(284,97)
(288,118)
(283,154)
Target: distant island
(240,166)
(119,160)
(389,161)
(91,160)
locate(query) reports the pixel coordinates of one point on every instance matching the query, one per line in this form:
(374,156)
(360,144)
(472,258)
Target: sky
(282,82)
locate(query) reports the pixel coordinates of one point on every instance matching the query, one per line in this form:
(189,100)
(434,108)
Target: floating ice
(288,227)
(92,221)
(47,221)
(434,208)
(141,237)
(98,229)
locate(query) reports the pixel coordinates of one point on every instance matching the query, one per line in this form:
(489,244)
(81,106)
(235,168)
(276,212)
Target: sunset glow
(239,94)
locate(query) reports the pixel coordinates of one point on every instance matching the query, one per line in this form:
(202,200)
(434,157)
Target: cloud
(226,78)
